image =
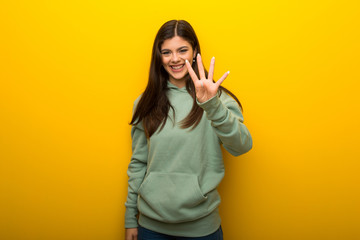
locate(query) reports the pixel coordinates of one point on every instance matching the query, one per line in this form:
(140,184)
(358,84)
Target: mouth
(177,68)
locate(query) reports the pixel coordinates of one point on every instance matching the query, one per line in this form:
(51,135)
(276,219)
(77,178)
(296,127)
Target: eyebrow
(176,49)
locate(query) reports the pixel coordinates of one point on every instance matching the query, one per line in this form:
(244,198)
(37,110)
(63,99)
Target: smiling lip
(177,70)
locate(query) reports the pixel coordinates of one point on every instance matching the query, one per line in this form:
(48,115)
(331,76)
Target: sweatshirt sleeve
(227,120)
(136,172)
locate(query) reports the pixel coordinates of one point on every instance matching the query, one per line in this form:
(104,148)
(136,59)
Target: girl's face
(174,51)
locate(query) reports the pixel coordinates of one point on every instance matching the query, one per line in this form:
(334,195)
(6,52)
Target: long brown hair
(154,106)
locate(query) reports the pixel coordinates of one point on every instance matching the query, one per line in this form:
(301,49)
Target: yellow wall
(70,71)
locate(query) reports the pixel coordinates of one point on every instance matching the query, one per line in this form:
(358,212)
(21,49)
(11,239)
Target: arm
(227,120)
(223,112)
(136,172)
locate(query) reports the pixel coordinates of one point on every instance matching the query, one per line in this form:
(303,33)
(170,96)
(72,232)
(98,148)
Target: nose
(175,57)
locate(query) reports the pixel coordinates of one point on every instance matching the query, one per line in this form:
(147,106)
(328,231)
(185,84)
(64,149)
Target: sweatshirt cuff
(130,218)
(214,108)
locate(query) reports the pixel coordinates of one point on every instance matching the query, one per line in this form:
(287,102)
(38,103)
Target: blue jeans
(146,234)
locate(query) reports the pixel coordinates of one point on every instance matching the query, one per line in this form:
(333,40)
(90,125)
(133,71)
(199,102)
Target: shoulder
(137,99)
(231,103)
(139,124)
(227,99)
(136,102)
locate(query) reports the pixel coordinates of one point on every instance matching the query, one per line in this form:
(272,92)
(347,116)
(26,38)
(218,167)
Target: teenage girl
(179,123)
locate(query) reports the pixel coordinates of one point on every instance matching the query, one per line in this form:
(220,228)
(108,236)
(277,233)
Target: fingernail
(186,60)
(198,54)
(213,57)
(228,72)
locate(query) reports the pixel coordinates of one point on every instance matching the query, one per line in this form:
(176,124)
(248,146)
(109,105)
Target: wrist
(202,101)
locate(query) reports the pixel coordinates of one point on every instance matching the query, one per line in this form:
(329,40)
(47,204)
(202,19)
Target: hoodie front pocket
(171,197)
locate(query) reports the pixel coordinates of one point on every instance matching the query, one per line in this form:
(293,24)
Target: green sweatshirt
(173,176)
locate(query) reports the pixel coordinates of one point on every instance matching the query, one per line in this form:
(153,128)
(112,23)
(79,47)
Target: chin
(178,77)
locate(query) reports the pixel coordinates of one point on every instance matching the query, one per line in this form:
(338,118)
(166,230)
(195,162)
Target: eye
(165,53)
(183,50)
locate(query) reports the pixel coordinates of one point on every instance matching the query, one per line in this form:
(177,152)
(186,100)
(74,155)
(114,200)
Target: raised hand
(205,88)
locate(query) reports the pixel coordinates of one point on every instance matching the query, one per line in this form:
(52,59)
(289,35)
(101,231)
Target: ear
(195,52)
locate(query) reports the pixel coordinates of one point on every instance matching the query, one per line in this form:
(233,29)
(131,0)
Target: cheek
(164,61)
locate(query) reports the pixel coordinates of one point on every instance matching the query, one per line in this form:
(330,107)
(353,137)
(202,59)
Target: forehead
(174,43)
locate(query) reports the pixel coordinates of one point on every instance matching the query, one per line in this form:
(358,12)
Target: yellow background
(70,71)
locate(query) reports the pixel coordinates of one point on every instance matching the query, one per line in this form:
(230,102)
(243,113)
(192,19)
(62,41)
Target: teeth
(177,67)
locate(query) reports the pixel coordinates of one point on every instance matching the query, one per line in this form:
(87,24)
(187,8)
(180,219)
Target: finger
(222,78)
(191,71)
(211,69)
(200,67)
